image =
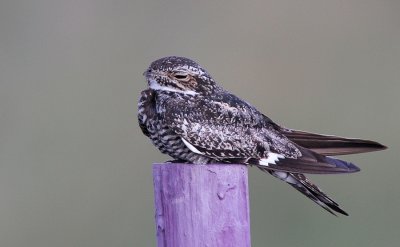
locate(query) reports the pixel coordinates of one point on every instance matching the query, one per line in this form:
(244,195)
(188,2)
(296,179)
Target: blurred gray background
(75,169)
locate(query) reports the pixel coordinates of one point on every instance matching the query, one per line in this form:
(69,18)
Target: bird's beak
(147,73)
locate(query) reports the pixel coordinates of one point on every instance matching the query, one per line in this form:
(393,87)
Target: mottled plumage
(188,116)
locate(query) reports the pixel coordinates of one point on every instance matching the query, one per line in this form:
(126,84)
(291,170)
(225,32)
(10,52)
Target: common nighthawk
(188,116)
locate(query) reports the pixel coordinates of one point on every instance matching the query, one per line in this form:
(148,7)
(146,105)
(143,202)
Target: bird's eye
(180,76)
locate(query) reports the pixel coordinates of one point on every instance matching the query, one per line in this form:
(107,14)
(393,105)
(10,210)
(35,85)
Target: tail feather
(303,185)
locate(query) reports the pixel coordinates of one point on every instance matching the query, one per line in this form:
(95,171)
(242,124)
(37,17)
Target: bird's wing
(230,130)
(213,128)
(145,109)
(331,145)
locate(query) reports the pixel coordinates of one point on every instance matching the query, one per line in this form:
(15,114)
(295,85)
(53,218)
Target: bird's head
(179,74)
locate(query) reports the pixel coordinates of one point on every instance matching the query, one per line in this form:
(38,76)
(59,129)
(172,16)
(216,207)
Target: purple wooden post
(201,205)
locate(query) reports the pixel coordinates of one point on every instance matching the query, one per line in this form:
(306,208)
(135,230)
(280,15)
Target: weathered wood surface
(201,205)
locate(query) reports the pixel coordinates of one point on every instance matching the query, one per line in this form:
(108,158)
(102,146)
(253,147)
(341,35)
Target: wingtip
(353,168)
(345,165)
(381,146)
(376,146)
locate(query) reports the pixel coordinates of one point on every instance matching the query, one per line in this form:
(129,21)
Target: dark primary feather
(331,145)
(314,163)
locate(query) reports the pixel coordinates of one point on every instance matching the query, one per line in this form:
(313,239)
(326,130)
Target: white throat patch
(155,86)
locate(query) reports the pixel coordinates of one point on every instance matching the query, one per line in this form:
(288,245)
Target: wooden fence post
(201,205)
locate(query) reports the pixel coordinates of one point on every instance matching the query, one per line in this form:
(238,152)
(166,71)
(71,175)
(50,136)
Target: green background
(75,169)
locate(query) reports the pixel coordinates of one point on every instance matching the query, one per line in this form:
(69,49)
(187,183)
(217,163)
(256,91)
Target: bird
(189,116)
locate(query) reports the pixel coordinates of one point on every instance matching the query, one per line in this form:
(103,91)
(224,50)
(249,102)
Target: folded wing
(231,137)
